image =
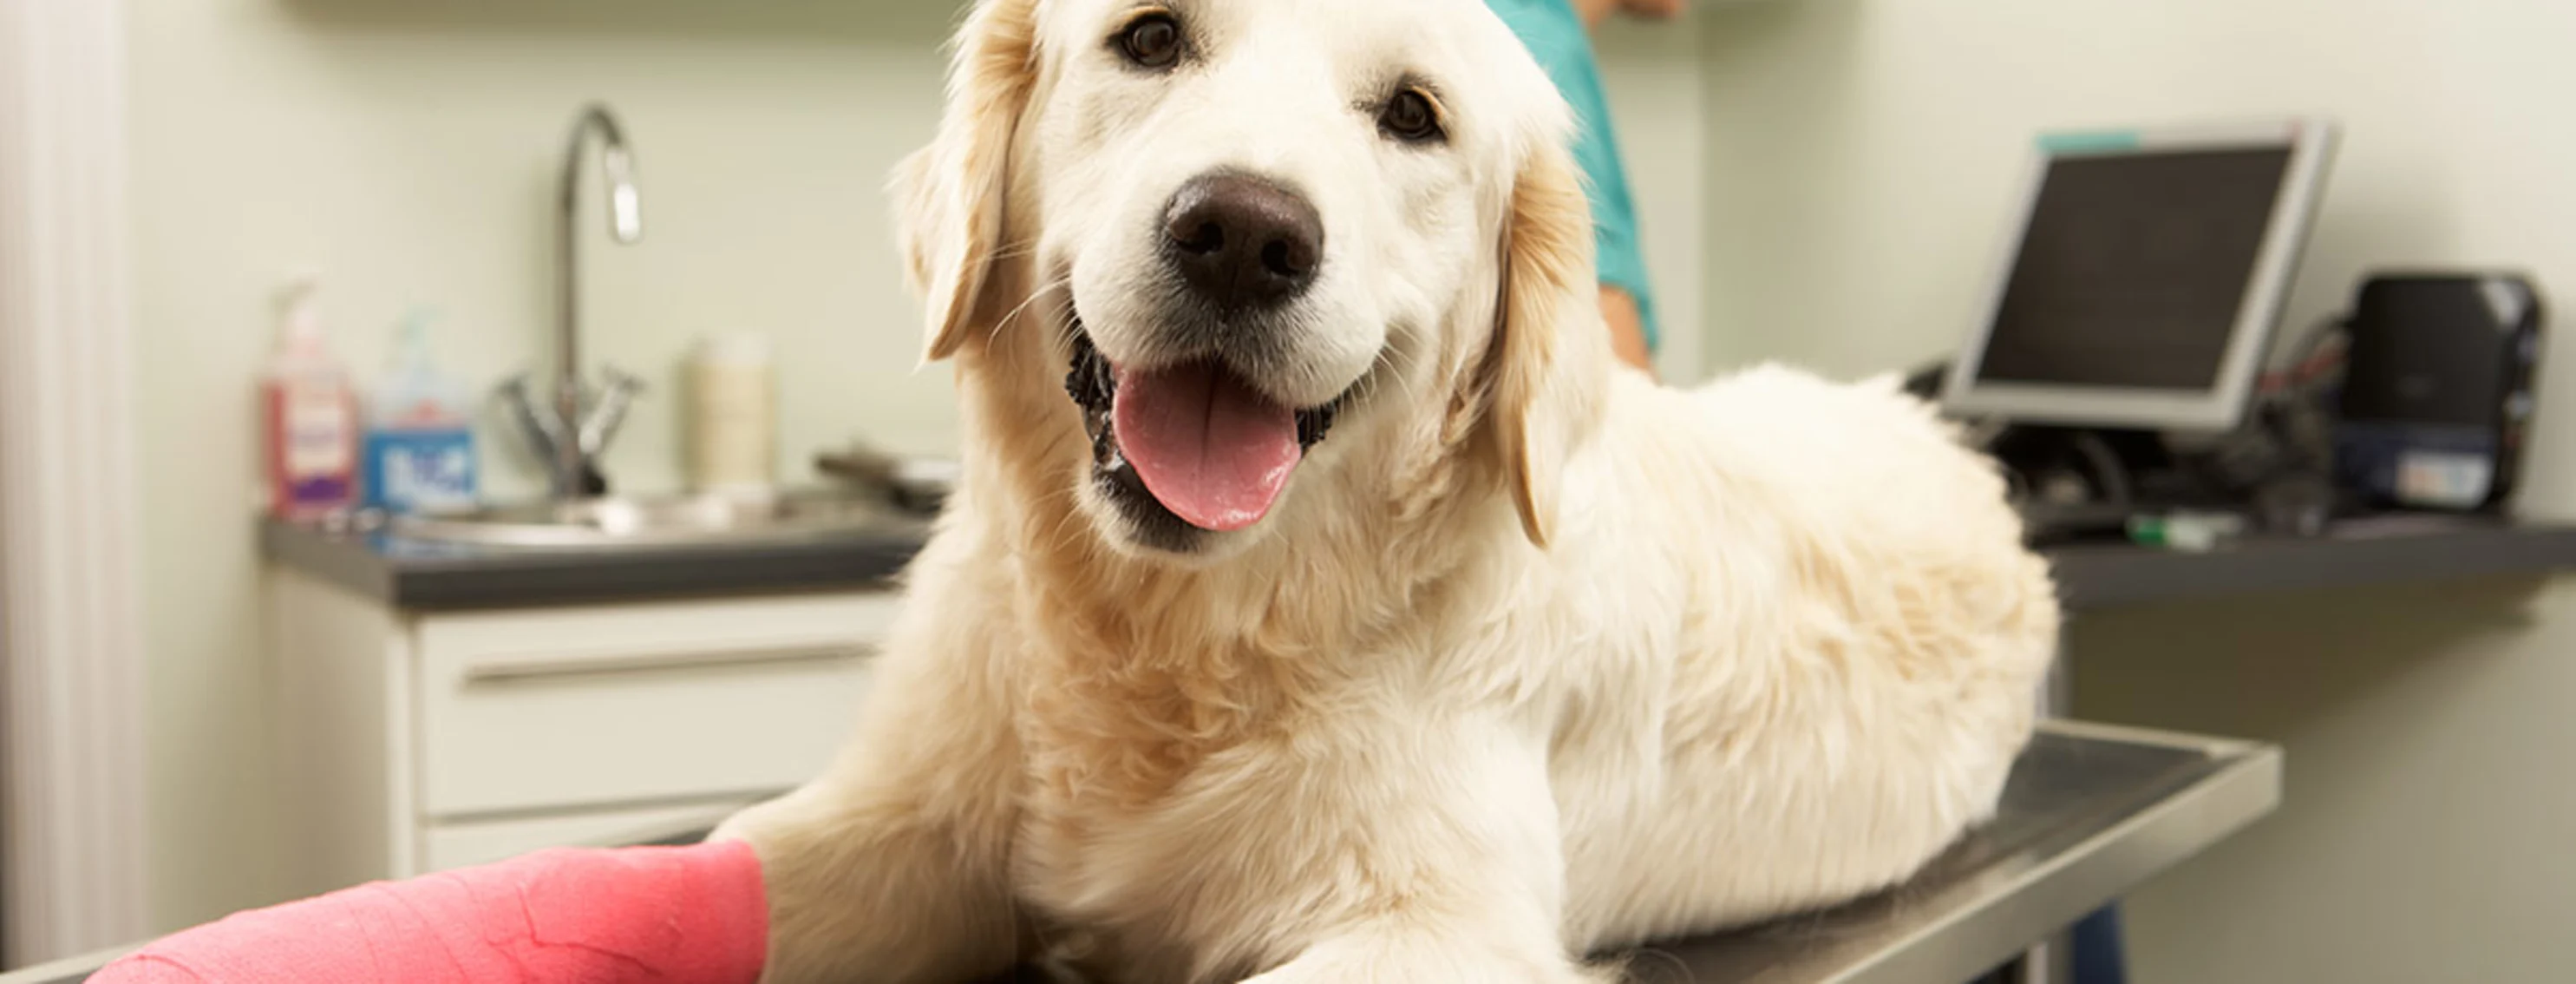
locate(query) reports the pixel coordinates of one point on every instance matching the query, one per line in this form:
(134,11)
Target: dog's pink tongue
(1211,450)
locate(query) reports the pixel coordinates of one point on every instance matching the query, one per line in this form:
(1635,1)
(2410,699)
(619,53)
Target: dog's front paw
(1428,959)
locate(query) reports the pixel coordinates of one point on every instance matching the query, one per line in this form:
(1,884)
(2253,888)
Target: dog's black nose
(1241,242)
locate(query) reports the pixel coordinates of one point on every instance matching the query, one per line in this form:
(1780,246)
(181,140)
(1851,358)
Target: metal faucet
(575,430)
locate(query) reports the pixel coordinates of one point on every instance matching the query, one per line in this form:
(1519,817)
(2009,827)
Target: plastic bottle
(733,409)
(420,430)
(309,412)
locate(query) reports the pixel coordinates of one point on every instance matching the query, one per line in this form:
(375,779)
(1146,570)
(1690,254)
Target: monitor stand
(2072,482)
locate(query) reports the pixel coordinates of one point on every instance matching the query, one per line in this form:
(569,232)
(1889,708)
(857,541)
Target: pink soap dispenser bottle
(310,414)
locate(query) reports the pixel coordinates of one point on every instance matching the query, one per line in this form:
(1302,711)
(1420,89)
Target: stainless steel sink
(627,522)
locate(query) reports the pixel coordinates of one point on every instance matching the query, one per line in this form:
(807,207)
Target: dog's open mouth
(1201,442)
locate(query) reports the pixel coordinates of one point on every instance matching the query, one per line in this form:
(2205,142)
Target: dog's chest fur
(1128,722)
(1154,709)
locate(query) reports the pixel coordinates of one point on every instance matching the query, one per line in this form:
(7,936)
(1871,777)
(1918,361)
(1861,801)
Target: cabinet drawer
(458,845)
(590,707)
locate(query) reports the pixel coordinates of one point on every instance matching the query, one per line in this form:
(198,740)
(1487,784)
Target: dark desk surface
(2381,551)
(428,576)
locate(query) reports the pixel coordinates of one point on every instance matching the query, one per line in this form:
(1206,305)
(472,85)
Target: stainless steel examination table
(2091,812)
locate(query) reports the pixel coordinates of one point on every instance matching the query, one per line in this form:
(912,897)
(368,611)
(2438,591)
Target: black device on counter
(2437,393)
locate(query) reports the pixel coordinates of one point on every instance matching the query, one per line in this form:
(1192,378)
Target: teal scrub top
(1554,33)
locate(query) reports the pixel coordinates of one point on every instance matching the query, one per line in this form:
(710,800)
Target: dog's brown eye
(1151,41)
(1410,117)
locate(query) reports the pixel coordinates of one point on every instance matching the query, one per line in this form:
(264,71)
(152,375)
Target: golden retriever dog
(1320,602)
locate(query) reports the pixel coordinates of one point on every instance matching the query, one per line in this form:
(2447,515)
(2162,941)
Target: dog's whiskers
(1392,359)
(1051,288)
(1014,251)
(1063,533)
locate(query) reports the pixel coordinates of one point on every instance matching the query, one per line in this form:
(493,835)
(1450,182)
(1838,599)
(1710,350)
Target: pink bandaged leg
(638,915)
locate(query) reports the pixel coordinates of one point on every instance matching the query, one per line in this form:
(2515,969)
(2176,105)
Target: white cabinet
(416,741)
(461,843)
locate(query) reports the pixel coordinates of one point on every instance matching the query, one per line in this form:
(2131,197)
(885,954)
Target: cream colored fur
(1535,658)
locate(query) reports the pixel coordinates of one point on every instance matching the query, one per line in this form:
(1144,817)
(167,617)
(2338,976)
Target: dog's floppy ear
(950,194)
(1550,359)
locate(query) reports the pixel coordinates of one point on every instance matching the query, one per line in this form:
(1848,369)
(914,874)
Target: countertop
(432,576)
(428,576)
(2382,550)
(2091,812)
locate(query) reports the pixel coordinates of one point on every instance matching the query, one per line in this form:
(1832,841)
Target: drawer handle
(533,668)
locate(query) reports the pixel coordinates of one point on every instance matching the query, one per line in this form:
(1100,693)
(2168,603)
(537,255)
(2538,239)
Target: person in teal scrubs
(1558,33)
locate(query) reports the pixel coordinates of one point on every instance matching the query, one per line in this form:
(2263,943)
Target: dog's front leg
(892,867)
(1448,862)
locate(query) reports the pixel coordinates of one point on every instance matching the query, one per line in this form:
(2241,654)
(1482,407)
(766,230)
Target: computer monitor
(2146,273)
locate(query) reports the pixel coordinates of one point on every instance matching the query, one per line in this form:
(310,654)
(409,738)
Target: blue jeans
(2097,958)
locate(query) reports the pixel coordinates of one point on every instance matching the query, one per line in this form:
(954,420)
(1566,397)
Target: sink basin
(619,521)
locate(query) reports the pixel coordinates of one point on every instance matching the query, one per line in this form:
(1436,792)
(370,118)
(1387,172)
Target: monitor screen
(2134,268)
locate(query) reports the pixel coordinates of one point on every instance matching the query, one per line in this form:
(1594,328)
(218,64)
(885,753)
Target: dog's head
(1244,228)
